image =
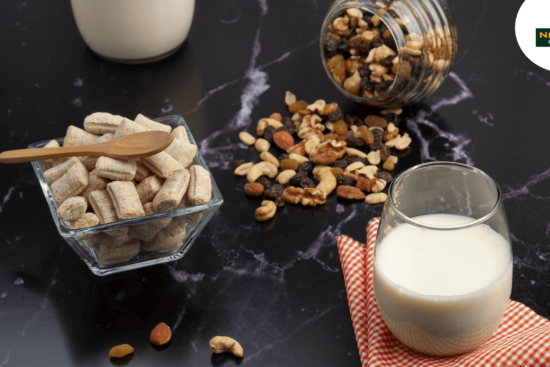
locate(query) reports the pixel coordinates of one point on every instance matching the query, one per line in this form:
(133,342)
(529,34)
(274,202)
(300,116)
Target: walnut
(310,126)
(328,152)
(299,148)
(364,183)
(306,197)
(317,106)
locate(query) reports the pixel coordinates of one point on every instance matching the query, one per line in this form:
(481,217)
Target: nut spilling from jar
(350,154)
(364,58)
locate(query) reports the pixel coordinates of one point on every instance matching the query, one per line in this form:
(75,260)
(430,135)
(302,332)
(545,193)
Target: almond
(349,192)
(161,334)
(283,140)
(253,189)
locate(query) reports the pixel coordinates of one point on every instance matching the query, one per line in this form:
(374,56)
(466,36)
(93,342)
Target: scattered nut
(306,197)
(285,176)
(161,334)
(298,158)
(364,183)
(254,189)
(276,116)
(261,169)
(263,213)
(404,142)
(283,140)
(268,157)
(121,350)
(376,198)
(262,145)
(349,192)
(247,138)
(379,185)
(353,151)
(242,170)
(374,157)
(290,98)
(222,344)
(327,181)
(355,166)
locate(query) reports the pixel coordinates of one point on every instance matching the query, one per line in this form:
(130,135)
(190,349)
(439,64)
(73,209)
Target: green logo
(543,37)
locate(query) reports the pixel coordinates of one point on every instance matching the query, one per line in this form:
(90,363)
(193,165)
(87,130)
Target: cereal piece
(128,127)
(48,163)
(121,350)
(76,137)
(103,207)
(147,231)
(70,184)
(125,200)
(268,157)
(182,152)
(142,172)
(116,169)
(162,164)
(84,221)
(149,188)
(55,173)
(171,193)
(266,211)
(349,192)
(243,169)
(95,182)
(102,123)
(150,124)
(110,241)
(285,176)
(200,186)
(72,208)
(117,255)
(181,134)
(262,145)
(90,162)
(246,138)
(376,198)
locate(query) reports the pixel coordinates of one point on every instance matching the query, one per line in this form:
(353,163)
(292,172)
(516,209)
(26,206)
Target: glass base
(139,61)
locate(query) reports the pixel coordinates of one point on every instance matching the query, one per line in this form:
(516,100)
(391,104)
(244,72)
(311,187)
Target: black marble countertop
(276,287)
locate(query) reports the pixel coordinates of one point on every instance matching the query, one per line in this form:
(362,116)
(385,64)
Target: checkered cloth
(521,340)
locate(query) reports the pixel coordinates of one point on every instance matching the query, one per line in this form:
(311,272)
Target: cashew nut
(285,176)
(222,344)
(352,151)
(262,145)
(298,158)
(289,98)
(247,138)
(318,168)
(263,123)
(261,169)
(354,166)
(243,169)
(327,181)
(268,157)
(265,212)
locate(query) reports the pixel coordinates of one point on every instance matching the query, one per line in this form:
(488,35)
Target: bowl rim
(62,226)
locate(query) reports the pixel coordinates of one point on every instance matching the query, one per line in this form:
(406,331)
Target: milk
(442,292)
(133,29)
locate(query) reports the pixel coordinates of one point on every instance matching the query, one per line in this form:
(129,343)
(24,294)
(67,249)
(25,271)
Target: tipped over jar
(388,53)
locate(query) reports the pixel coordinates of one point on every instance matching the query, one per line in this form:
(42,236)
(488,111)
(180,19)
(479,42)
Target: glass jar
(133,31)
(388,53)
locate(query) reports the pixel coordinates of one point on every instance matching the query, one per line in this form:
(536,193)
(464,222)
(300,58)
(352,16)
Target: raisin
(283,157)
(383,28)
(306,183)
(366,135)
(295,180)
(341,163)
(384,153)
(393,118)
(384,176)
(388,61)
(345,136)
(380,87)
(377,145)
(289,164)
(365,161)
(264,182)
(337,172)
(354,142)
(367,85)
(345,181)
(283,128)
(403,69)
(274,190)
(392,13)
(335,116)
(343,45)
(330,43)
(378,135)
(287,121)
(376,121)
(340,127)
(362,45)
(377,42)
(364,70)
(329,54)
(239,163)
(331,136)
(305,167)
(358,121)
(299,105)
(268,133)
(352,158)
(368,18)
(280,201)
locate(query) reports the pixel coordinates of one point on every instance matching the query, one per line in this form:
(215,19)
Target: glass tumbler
(443,259)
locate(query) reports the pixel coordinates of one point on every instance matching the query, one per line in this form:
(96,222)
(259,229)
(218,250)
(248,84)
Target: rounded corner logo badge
(532,19)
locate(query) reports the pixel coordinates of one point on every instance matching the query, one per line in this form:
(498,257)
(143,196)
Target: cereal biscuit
(70,184)
(171,193)
(149,187)
(72,208)
(102,123)
(116,169)
(200,186)
(125,199)
(150,124)
(162,164)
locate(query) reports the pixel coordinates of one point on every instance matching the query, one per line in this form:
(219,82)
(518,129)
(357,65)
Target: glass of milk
(133,31)
(443,259)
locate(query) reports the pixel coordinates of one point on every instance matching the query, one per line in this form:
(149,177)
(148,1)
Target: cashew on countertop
(222,344)
(261,169)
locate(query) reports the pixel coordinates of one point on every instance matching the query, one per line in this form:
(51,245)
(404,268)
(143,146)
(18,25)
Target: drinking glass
(443,324)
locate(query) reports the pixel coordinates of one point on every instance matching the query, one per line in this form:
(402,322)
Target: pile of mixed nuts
(332,148)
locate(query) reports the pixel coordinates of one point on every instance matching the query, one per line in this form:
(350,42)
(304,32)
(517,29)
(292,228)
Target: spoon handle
(40,154)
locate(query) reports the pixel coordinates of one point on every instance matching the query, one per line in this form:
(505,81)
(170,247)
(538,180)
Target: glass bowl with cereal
(119,215)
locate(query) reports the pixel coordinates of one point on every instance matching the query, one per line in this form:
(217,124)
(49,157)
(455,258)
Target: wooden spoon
(131,146)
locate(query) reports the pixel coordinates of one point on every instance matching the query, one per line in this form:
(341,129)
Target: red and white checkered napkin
(522,338)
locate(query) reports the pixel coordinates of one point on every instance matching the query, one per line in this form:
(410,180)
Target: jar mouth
(416,223)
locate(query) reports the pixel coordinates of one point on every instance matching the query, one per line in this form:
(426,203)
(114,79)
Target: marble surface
(277,286)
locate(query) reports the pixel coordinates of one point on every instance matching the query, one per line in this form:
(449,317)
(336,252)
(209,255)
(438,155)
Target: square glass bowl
(175,231)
